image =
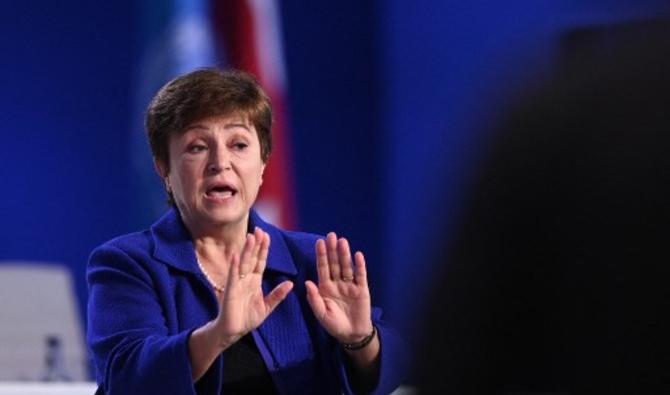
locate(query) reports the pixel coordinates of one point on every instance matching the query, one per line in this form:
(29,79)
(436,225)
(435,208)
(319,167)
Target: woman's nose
(218,161)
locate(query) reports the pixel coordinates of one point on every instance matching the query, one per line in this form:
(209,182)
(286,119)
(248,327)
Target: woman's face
(215,171)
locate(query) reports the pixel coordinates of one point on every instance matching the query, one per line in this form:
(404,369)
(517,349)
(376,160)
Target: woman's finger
(315,300)
(253,259)
(322,268)
(361,271)
(264,247)
(246,256)
(331,252)
(344,257)
(278,294)
(233,271)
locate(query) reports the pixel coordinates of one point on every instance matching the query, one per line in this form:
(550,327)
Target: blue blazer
(147,294)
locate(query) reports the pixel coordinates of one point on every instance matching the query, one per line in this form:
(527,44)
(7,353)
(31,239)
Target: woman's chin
(222,216)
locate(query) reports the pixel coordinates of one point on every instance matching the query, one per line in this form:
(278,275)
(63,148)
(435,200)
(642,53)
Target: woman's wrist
(221,339)
(362,343)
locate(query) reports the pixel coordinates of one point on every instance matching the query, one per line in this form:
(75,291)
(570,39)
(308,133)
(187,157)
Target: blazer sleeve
(132,350)
(393,358)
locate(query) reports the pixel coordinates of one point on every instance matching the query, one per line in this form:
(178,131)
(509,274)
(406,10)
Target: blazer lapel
(173,244)
(284,333)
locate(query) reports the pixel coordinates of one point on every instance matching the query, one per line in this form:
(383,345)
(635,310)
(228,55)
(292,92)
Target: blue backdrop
(389,103)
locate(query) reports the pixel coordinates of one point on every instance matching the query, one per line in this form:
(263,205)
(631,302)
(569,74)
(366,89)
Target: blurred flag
(175,37)
(179,36)
(249,31)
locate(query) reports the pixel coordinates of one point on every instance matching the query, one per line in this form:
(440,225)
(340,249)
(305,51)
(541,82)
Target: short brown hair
(205,93)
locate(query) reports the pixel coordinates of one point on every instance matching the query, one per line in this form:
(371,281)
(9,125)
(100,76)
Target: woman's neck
(216,244)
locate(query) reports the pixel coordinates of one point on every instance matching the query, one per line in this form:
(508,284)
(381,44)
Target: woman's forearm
(204,346)
(364,366)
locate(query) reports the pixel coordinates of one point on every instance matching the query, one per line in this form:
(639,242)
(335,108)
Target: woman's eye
(240,146)
(195,148)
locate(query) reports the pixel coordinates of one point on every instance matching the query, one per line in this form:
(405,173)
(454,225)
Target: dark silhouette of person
(557,279)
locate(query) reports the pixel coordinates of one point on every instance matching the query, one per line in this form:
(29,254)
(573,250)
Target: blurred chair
(40,324)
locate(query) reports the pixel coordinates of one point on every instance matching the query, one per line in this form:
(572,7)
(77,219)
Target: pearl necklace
(213,283)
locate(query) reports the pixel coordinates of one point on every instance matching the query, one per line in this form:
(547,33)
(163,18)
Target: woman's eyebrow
(234,125)
(228,126)
(196,126)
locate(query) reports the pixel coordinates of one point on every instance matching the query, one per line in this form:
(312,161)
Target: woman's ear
(262,172)
(162,171)
(160,167)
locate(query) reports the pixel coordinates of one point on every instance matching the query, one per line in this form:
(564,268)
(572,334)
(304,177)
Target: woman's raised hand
(243,307)
(341,301)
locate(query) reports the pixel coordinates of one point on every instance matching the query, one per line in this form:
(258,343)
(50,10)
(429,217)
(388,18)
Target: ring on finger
(243,275)
(348,278)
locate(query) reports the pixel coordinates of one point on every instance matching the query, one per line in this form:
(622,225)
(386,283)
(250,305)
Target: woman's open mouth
(220,192)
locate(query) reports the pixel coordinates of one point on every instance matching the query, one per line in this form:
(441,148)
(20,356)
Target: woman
(212,299)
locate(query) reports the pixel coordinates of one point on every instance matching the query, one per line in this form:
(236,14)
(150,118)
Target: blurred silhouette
(557,279)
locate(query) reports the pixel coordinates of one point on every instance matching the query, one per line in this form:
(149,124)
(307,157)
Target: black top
(244,371)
